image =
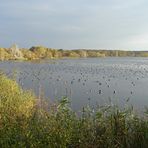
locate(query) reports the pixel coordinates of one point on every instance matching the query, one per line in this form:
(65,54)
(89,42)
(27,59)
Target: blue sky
(71,24)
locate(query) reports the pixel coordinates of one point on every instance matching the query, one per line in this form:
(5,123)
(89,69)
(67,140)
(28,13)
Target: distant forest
(40,52)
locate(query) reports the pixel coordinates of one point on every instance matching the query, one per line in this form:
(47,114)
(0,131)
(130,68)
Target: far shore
(40,52)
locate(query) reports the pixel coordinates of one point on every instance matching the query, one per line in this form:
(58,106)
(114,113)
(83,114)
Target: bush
(16,108)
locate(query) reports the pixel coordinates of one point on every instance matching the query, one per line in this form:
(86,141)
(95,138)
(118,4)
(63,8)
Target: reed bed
(26,121)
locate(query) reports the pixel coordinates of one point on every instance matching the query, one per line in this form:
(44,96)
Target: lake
(93,81)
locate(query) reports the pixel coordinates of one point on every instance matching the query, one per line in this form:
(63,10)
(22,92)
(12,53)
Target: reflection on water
(93,81)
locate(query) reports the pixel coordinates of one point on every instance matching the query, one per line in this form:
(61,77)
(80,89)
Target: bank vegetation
(40,52)
(26,121)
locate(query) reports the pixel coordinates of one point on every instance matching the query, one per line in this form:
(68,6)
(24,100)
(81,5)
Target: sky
(75,24)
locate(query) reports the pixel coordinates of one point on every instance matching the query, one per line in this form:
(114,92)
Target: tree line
(40,52)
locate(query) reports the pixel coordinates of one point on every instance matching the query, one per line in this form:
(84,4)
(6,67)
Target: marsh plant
(26,121)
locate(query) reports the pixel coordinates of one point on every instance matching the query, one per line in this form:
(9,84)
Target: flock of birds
(73,79)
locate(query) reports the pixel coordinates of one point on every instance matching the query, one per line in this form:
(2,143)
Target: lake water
(96,81)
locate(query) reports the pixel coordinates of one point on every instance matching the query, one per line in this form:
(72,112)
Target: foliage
(40,52)
(4,55)
(29,122)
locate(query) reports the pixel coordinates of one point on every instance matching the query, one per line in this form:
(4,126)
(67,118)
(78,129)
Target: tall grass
(28,122)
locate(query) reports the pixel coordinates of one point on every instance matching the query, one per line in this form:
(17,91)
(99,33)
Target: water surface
(96,81)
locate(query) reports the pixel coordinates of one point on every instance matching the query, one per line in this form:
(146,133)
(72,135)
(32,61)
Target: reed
(26,121)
